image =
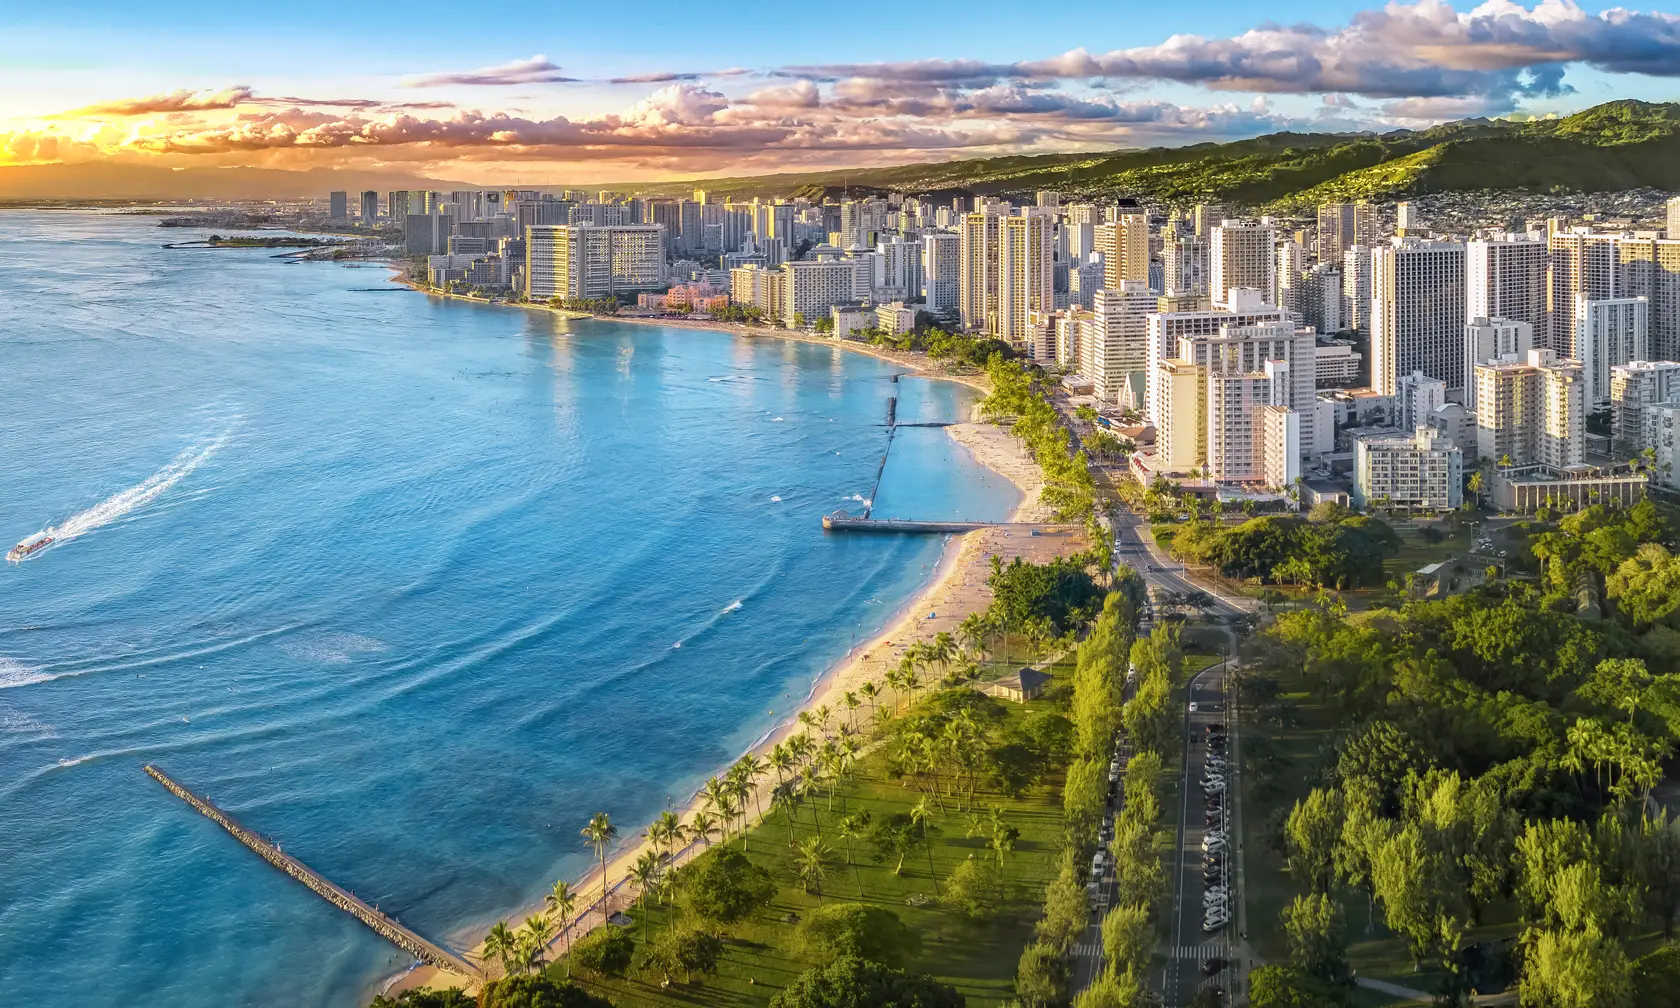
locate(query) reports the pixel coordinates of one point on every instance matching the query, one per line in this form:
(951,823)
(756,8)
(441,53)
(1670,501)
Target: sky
(633,90)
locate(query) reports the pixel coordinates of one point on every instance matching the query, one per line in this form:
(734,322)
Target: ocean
(411,586)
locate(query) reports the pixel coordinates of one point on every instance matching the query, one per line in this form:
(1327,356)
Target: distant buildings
(338,205)
(370,207)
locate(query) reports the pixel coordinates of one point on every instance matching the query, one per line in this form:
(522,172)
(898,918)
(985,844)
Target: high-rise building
(980,242)
(1025,273)
(1318,297)
(370,207)
(1124,245)
(1205,217)
(1207,396)
(1342,226)
(1291,263)
(898,270)
(813,286)
(1085,278)
(1240,255)
(1416,397)
(427,234)
(1673,208)
(1609,333)
(1505,278)
(1405,219)
(942,274)
(1115,343)
(1650,268)
(1167,328)
(338,205)
(1417,313)
(1488,339)
(1356,288)
(1660,432)
(1578,262)
(586,261)
(1422,470)
(1634,386)
(1184,260)
(1531,410)
(1281,446)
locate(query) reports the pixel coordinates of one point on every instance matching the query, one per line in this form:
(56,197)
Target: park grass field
(978,959)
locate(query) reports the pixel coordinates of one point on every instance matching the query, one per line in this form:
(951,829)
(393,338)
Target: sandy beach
(957,588)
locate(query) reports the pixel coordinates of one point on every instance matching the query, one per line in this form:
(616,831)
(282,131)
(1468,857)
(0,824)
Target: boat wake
(123,502)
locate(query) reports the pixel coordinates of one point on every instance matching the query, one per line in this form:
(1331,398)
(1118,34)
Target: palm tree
(599,835)
(870,692)
(809,779)
(813,859)
(785,797)
(920,815)
(538,931)
(851,702)
(502,944)
(781,760)
(717,797)
(665,833)
(561,901)
(703,827)
(855,827)
(752,770)
(739,788)
(645,872)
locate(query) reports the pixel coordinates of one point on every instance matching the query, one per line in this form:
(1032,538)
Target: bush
(865,932)
(850,982)
(723,885)
(534,992)
(606,951)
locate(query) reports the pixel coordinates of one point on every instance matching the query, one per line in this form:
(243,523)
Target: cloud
(175,101)
(348,103)
(536,70)
(1421,49)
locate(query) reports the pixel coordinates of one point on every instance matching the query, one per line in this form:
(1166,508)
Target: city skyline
(535,100)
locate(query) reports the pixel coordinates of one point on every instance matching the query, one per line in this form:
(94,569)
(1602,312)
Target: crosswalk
(1206,950)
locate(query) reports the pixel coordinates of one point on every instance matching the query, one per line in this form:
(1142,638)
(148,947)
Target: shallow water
(411,586)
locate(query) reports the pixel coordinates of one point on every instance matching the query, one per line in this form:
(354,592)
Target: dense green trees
(535,992)
(723,885)
(859,930)
(1498,751)
(850,982)
(1333,548)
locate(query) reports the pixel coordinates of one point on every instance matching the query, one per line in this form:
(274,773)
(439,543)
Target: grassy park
(975,953)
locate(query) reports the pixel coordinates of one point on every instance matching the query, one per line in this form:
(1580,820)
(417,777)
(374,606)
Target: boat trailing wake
(137,496)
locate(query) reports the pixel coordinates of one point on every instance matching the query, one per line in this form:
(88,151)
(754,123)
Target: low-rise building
(1526,489)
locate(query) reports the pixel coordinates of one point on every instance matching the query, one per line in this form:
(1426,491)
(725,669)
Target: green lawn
(978,959)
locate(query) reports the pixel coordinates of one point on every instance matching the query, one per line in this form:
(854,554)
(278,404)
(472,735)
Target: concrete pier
(382,925)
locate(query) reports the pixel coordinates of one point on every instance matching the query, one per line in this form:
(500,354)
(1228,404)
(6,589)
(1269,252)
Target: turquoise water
(411,586)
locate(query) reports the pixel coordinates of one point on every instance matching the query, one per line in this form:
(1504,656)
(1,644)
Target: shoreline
(916,363)
(956,588)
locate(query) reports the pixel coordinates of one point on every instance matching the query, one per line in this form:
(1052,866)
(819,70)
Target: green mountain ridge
(1610,147)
